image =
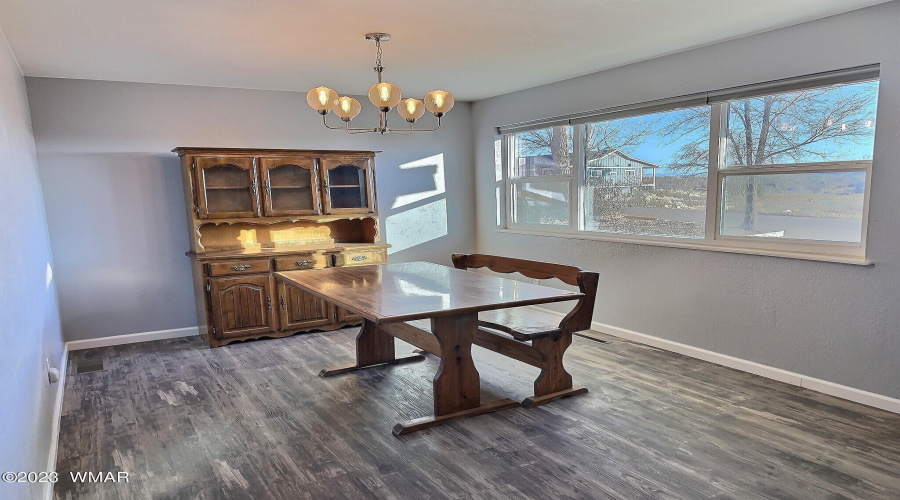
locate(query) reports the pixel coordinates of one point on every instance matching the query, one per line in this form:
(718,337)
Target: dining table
(390,296)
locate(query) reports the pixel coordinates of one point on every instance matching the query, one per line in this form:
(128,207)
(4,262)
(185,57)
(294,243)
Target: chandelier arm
(410,129)
(348,128)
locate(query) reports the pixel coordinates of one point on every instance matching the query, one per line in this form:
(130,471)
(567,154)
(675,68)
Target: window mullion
(576,188)
(504,181)
(718,128)
(812,168)
(508,148)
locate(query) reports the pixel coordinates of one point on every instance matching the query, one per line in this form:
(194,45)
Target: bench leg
(554,382)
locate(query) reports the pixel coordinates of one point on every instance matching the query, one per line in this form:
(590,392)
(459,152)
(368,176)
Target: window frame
(574,179)
(717,172)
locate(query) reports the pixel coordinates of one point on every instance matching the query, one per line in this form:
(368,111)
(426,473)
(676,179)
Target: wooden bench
(531,342)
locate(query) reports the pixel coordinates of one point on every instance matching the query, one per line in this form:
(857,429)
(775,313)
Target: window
(779,169)
(796,164)
(673,199)
(541,182)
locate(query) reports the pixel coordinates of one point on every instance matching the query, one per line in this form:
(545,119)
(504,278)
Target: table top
(416,290)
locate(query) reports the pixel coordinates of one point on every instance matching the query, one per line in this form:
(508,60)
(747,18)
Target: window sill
(694,245)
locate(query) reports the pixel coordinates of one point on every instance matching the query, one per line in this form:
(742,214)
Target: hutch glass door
(348,187)
(226,187)
(290,184)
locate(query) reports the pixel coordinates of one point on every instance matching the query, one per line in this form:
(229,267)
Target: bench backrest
(580,317)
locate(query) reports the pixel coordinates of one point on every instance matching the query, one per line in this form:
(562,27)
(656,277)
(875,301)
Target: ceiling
(473,48)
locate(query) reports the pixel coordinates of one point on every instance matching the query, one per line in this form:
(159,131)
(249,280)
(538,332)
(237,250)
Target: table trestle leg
(457,385)
(373,348)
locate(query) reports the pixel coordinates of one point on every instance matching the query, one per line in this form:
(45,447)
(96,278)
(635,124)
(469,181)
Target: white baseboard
(57,416)
(132,338)
(818,385)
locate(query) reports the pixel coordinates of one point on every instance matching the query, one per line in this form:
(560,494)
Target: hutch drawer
(361,257)
(227,267)
(308,261)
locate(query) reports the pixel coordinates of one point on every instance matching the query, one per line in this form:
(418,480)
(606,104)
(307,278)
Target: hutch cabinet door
(226,187)
(241,305)
(344,315)
(290,186)
(299,309)
(348,185)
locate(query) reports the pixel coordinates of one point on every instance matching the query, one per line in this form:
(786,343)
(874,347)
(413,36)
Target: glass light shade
(347,108)
(439,102)
(322,99)
(384,95)
(411,109)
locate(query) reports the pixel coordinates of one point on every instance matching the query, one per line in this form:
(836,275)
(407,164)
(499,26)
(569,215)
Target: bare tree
(623,135)
(557,141)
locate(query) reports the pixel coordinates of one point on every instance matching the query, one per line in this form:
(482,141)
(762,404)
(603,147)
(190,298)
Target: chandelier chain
(378,53)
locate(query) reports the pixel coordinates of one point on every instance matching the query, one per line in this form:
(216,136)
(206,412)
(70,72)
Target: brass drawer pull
(242,267)
(302,263)
(359,258)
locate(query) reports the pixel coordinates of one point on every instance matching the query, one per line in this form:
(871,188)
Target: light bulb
(347,108)
(411,109)
(439,102)
(322,99)
(384,95)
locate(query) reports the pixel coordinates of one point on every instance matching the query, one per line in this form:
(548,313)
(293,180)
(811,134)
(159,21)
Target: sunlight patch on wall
(435,185)
(417,225)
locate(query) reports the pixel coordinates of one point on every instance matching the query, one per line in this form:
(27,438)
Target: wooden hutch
(252,212)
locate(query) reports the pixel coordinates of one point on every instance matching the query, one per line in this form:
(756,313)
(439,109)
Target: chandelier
(384,96)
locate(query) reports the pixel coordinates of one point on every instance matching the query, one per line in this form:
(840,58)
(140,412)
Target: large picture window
(781,169)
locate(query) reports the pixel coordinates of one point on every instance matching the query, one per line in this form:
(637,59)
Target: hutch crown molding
(252,212)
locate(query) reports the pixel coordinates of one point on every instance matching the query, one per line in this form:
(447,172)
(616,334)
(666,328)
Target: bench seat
(519,328)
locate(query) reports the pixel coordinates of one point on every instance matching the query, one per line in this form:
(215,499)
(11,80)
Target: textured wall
(29,318)
(114,197)
(831,321)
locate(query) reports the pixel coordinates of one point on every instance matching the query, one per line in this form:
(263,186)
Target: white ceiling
(473,48)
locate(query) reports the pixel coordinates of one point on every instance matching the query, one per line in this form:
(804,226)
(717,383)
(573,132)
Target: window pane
(817,206)
(546,151)
(647,174)
(834,123)
(542,202)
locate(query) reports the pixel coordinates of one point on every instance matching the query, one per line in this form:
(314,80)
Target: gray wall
(29,318)
(836,322)
(114,196)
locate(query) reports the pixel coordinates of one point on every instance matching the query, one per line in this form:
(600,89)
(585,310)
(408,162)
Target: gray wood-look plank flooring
(252,420)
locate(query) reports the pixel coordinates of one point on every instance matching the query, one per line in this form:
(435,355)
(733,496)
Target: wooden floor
(252,420)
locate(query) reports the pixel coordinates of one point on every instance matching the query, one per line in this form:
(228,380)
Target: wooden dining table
(389,296)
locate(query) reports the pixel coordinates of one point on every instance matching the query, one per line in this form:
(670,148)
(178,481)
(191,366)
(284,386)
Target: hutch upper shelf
(231,184)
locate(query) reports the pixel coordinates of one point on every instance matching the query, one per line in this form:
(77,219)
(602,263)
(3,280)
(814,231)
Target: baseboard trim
(818,385)
(57,416)
(131,338)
